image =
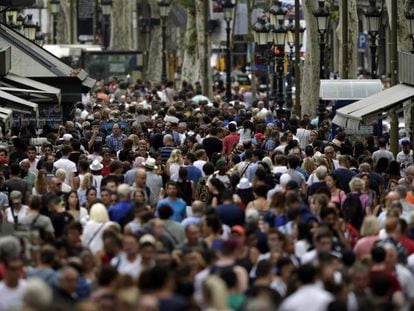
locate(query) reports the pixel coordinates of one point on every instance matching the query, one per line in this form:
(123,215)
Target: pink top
(363,246)
(339,198)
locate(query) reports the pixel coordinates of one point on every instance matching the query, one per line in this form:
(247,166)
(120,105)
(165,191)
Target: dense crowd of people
(153,198)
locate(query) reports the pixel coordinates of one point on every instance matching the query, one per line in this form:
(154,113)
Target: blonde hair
(98,213)
(61,174)
(370,226)
(176,157)
(215,293)
(356,184)
(87,181)
(41,183)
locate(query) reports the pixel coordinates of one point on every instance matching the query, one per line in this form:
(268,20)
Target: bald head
(141,177)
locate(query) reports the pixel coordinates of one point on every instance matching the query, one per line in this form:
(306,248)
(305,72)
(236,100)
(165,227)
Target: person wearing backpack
(356,203)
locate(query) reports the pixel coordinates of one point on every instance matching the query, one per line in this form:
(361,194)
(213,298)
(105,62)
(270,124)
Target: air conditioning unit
(5,60)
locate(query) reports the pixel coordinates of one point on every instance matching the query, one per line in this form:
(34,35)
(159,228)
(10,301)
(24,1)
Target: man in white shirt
(201,160)
(405,156)
(66,164)
(382,152)
(32,157)
(12,288)
(310,296)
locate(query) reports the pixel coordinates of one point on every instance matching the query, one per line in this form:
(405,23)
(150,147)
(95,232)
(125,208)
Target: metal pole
(228,63)
(206,80)
(289,78)
(280,97)
(54,25)
(164,54)
(394,76)
(321,56)
(321,106)
(373,49)
(345,58)
(297,58)
(273,61)
(394,45)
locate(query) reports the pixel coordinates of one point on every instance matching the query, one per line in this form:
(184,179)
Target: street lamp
(164,6)
(373,16)
(409,15)
(279,34)
(39,36)
(29,28)
(228,7)
(54,10)
(322,20)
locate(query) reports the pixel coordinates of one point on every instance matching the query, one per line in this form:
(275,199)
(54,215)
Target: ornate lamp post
(277,20)
(291,72)
(29,28)
(228,8)
(373,16)
(54,10)
(164,6)
(39,36)
(322,20)
(279,34)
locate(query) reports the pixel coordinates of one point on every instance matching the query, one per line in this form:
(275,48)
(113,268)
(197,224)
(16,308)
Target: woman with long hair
(86,183)
(372,195)
(174,163)
(72,206)
(215,189)
(185,186)
(337,195)
(41,183)
(260,199)
(91,196)
(95,227)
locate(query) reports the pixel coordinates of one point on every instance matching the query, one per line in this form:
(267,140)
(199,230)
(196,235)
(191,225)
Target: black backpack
(353,211)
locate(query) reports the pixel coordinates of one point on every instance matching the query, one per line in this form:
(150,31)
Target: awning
(5,113)
(14,83)
(349,89)
(350,116)
(15,103)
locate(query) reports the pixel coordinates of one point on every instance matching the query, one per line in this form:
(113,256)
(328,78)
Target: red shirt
(229,141)
(408,244)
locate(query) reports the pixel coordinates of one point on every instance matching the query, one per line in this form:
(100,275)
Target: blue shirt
(115,143)
(119,211)
(193,173)
(251,171)
(178,206)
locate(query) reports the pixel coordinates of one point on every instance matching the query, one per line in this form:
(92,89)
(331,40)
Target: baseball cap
(238,229)
(259,136)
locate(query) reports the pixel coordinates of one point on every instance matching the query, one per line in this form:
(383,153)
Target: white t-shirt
(12,297)
(68,166)
(20,215)
(92,235)
(124,266)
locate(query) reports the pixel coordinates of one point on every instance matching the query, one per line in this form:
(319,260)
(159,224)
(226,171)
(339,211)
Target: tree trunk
(154,69)
(311,81)
(191,66)
(121,25)
(352,40)
(64,23)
